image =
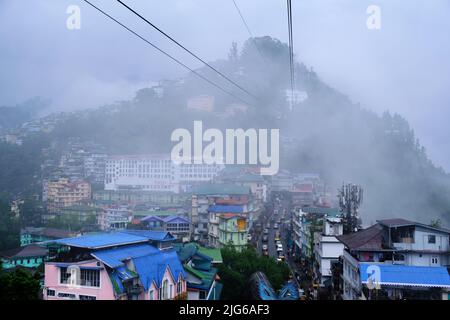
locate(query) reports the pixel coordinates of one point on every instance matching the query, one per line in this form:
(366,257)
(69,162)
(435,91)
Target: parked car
(249,237)
(279,247)
(265,238)
(265,247)
(266,231)
(275,226)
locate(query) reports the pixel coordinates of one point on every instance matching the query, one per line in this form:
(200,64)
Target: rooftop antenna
(350,198)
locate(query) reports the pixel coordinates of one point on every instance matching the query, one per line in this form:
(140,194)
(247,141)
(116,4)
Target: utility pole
(350,198)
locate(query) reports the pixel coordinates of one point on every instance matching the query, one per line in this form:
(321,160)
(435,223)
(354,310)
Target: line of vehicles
(276,222)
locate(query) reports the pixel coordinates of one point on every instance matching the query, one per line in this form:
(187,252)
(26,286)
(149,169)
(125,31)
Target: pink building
(126,265)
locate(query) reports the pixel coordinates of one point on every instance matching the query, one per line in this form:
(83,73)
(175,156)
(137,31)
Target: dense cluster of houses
(155,232)
(392,259)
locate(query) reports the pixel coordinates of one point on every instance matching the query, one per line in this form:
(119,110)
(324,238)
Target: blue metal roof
(111,239)
(405,275)
(152,267)
(151,235)
(289,292)
(102,240)
(114,257)
(226,208)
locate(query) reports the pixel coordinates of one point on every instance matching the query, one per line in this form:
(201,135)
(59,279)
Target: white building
(328,248)
(154,173)
(114,218)
(400,259)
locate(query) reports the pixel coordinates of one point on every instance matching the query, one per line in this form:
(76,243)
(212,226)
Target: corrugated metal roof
(367,239)
(152,267)
(405,275)
(31,250)
(102,240)
(151,235)
(115,257)
(226,208)
(111,239)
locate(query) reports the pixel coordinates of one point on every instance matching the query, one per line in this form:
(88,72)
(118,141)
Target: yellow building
(63,193)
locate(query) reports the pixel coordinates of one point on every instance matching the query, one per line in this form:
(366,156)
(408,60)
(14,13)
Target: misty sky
(404,67)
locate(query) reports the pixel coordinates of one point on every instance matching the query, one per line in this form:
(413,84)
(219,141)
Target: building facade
(61,193)
(396,259)
(155,173)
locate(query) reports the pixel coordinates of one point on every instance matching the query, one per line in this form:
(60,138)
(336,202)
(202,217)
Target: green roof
(207,277)
(215,254)
(221,188)
(185,251)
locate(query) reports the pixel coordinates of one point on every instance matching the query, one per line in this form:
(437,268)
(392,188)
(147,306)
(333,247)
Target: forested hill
(327,133)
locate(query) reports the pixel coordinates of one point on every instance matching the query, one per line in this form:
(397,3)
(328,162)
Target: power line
(291,49)
(165,53)
(248,29)
(187,50)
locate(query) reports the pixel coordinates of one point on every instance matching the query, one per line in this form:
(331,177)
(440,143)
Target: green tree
(9,228)
(238,266)
(19,284)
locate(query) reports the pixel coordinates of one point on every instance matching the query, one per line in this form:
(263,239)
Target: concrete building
(233,231)
(179,226)
(114,218)
(61,193)
(132,265)
(94,167)
(155,173)
(205,195)
(396,259)
(327,249)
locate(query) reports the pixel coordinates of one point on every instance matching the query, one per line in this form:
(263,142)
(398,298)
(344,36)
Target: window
(431,238)
(66,295)
(179,286)
(83,297)
(51,293)
(90,278)
(165,288)
(151,295)
(64,276)
(202,295)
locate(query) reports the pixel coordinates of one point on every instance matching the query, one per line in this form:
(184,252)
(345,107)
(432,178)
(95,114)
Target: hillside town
(139,227)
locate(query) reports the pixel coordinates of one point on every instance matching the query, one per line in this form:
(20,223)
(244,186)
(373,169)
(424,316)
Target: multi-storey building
(233,231)
(94,167)
(327,249)
(179,226)
(114,218)
(396,259)
(155,173)
(131,265)
(63,192)
(209,194)
(215,213)
(31,235)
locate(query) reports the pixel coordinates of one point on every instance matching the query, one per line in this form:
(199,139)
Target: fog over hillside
(403,67)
